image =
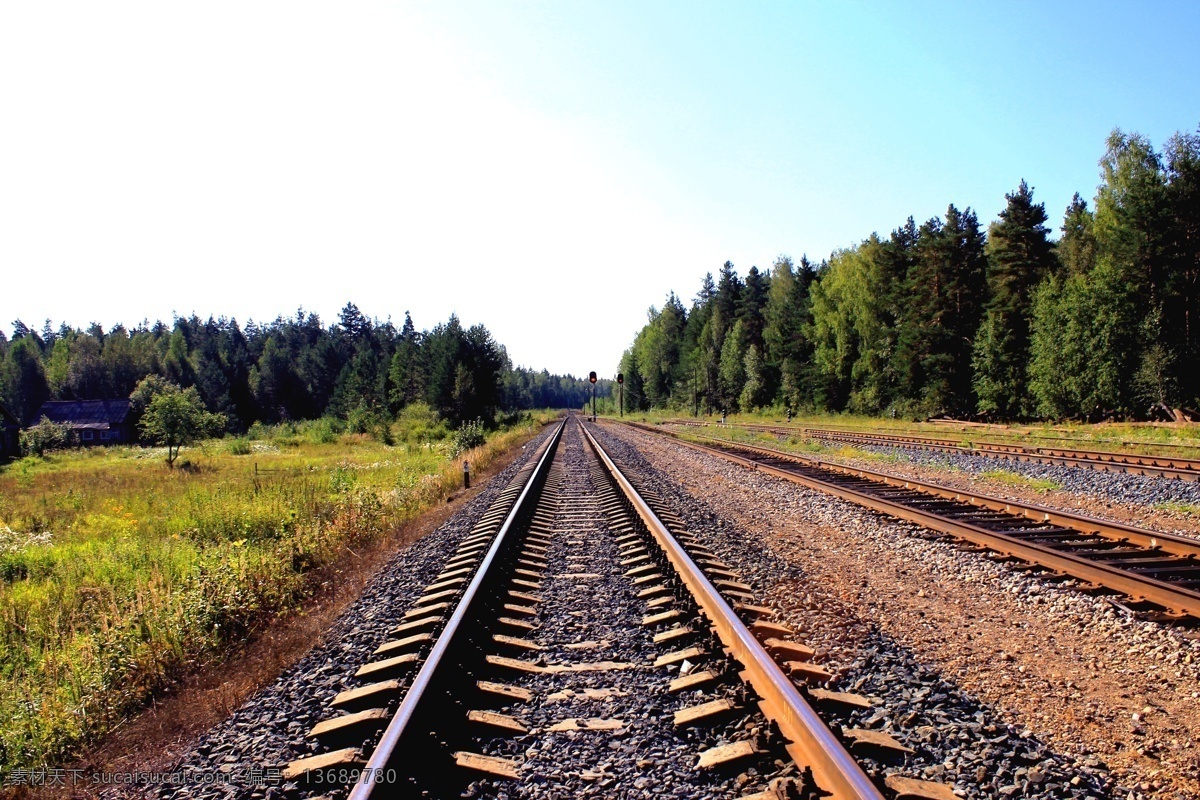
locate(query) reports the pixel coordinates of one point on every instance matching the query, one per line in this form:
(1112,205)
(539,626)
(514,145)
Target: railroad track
(1158,572)
(490,663)
(1185,469)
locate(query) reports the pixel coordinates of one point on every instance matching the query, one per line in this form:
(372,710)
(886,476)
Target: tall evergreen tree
(405,375)
(733,366)
(1181,303)
(752,305)
(945,287)
(1077,246)
(1019,257)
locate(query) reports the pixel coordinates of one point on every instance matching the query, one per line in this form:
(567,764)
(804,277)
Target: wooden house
(93,421)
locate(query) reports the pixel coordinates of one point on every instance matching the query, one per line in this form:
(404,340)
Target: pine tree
(945,287)
(1019,257)
(733,366)
(176,364)
(1077,247)
(1181,302)
(405,375)
(752,303)
(728,300)
(754,391)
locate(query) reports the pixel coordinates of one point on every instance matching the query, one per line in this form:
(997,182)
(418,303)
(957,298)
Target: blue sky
(548,169)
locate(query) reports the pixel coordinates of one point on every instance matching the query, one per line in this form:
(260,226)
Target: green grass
(117,574)
(1186,509)
(1020,481)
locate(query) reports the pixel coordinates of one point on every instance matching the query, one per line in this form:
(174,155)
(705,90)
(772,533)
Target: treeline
(943,319)
(358,369)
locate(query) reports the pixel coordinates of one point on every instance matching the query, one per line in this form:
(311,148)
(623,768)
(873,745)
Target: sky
(548,169)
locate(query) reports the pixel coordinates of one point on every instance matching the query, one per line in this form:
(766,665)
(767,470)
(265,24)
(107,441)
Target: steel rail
(1137,463)
(1178,600)
(396,728)
(812,744)
(1185,469)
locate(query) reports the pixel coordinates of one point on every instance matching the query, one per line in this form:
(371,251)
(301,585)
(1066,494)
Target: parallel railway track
(1185,469)
(1158,571)
(464,674)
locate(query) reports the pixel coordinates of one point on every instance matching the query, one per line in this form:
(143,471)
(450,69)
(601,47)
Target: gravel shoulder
(1160,504)
(1114,699)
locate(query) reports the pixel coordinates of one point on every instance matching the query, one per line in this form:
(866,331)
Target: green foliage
(146,390)
(290,370)
(468,436)
(1021,481)
(238,446)
(46,437)
(945,288)
(177,417)
(754,390)
(657,352)
(941,319)
(23,386)
(116,578)
(732,371)
(1019,257)
(421,425)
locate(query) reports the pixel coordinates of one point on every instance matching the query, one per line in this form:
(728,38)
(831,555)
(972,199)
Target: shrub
(238,446)
(320,431)
(467,437)
(45,437)
(419,425)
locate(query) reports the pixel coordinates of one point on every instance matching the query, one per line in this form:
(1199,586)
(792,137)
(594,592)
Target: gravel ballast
(1004,683)
(1165,504)
(269,730)
(590,614)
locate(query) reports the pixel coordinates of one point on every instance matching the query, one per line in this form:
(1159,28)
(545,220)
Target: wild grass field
(117,574)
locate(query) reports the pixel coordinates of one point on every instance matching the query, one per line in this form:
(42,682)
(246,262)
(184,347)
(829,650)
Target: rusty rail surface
(1185,469)
(812,744)
(385,751)
(1130,560)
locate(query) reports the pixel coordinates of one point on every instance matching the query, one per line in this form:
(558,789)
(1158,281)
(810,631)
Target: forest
(943,318)
(358,369)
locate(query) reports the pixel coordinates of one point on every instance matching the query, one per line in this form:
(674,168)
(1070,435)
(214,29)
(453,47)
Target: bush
(238,446)
(419,425)
(45,437)
(467,437)
(383,433)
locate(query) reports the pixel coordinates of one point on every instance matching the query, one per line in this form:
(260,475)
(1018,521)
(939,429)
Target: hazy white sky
(548,169)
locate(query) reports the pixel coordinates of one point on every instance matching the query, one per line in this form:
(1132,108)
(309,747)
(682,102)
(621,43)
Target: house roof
(8,418)
(97,414)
